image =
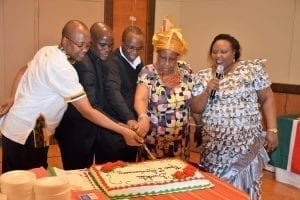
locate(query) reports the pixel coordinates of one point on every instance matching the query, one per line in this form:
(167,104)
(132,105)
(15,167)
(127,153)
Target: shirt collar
(133,64)
(71,60)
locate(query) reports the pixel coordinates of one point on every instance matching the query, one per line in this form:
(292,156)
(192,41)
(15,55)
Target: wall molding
(286,88)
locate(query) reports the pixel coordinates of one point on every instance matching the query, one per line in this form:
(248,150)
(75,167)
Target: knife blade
(149,152)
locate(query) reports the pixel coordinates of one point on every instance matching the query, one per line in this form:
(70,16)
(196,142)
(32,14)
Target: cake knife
(149,152)
(144,145)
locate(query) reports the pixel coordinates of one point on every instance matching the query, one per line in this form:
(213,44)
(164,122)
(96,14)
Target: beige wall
(17,39)
(265,29)
(2,86)
(27,25)
(295,54)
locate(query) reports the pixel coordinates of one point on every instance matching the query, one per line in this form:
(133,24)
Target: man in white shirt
(40,99)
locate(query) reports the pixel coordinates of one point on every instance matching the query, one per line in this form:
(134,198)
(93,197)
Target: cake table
(221,191)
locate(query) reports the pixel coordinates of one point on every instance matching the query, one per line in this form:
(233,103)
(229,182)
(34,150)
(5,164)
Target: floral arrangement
(109,166)
(188,171)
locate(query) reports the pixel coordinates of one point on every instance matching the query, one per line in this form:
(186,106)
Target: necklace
(171,80)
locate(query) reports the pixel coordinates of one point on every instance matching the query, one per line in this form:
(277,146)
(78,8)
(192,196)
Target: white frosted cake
(148,178)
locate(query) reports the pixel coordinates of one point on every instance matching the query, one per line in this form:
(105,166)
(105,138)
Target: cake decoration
(188,171)
(112,165)
(147,178)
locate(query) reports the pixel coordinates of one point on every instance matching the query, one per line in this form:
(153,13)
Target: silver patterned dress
(233,136)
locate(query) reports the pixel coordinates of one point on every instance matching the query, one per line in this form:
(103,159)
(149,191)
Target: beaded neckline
(171,80)
(71,60)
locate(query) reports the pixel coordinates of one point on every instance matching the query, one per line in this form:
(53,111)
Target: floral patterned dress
(232,136)
(168,109)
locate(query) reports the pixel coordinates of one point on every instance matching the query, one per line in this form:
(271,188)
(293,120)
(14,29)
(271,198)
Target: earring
(233,60)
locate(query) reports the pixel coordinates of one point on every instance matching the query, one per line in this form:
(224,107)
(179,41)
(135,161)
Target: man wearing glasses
(120,75)
(76,135)
(40,96)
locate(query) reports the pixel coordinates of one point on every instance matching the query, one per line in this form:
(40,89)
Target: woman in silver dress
(234,143)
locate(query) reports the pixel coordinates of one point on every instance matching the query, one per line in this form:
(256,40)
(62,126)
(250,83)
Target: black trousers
(112,147)
(76,153)
(16,156)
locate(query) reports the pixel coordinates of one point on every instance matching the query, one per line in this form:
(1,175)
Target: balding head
(100,30)
(72,26)
(75,39)
(102,40)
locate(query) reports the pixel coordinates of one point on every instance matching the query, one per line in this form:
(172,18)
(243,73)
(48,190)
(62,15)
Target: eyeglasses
(80,45)
(132,48)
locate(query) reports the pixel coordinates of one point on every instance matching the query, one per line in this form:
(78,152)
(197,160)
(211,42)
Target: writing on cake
(146,178)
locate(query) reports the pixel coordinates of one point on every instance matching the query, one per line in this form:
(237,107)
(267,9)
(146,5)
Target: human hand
(132,139)
(5,106)
(142,127)
(131,124)
(271,141)
(213,84)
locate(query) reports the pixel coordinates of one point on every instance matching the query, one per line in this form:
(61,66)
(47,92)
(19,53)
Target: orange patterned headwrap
(169,38)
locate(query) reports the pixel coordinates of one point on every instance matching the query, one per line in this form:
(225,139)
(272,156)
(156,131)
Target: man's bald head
(99,30)
(73,26)
(102,40)
(75,39)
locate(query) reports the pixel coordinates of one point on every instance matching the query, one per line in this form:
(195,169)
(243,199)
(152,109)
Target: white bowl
(18,189)
(66,195)
(17,178)
(20,196)
(18,184)
(51,185)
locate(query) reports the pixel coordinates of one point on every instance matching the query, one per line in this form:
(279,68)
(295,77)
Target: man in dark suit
(77,137)
(121,71)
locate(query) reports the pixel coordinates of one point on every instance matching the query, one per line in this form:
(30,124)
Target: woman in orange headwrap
(163,97)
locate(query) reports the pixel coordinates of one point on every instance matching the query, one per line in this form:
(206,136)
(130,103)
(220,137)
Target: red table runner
(221,191)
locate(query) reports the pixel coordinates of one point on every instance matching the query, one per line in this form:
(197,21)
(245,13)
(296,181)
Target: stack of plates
(52,188)
(18,184)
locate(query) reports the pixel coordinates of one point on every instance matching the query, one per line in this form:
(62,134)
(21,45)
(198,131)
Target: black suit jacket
(76,135)
(120,84)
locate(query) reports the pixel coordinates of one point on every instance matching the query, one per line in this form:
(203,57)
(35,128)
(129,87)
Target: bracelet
(144,115)
(274,130)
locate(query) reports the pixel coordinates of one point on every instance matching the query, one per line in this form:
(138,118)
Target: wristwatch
(274,130)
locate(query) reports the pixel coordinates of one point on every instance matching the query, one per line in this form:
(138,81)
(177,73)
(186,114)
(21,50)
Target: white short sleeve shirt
(48,84)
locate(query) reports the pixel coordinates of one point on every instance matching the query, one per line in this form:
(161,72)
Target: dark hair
(131,29)
(234,43)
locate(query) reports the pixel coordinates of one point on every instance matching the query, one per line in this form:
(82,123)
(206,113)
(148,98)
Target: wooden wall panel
(280,99)
(293,104)
(287,98)
(122,11)
(118,14)
(287,103)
